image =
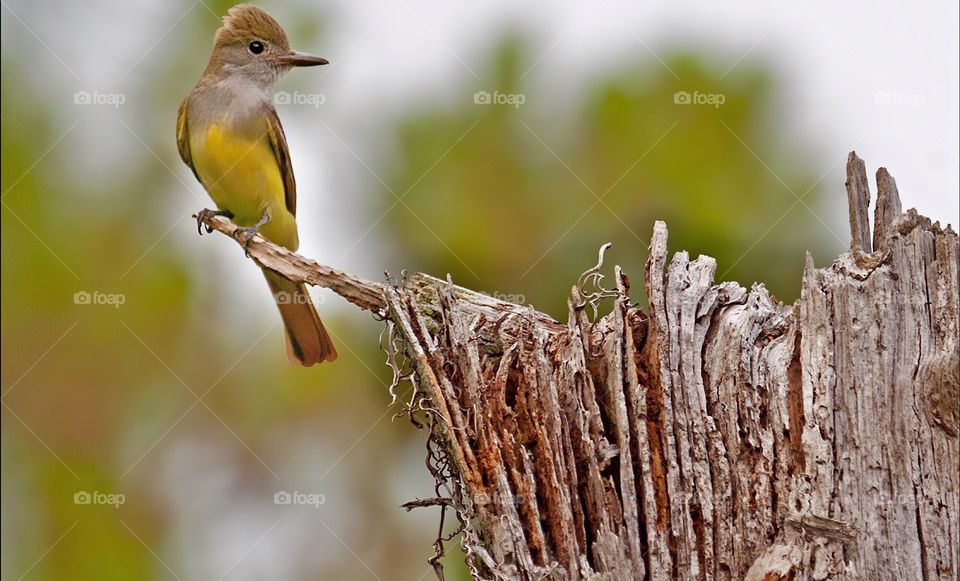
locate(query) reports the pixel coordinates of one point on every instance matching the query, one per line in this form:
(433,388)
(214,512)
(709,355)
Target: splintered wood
(719,434)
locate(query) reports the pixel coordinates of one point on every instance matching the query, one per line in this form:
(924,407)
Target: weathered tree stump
(717,434)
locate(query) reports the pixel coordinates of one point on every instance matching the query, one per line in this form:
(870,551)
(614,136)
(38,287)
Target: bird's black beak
(301,59)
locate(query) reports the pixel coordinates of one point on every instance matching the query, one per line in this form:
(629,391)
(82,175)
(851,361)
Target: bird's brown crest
(244,23)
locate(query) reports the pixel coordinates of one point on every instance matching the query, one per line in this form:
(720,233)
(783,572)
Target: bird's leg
(245,234)
(205,214)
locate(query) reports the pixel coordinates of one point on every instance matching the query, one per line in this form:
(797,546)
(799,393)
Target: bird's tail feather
(307,339)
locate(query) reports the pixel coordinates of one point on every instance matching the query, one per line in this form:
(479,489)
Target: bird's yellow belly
(242,177)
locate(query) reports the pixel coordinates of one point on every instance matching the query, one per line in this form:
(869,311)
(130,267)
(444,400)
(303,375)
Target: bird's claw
(244,235)
(206,214)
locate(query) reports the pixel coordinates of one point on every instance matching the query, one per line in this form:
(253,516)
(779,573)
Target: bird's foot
(245,234)
(206,214)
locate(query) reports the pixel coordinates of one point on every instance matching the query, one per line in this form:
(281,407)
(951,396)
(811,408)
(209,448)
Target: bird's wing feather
(278,141)
(183,138)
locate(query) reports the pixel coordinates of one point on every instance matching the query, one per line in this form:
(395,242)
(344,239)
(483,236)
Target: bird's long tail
(307,339)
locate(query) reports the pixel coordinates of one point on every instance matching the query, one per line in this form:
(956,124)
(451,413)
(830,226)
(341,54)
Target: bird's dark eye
(256,47)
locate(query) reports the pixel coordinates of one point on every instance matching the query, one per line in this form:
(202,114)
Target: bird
(230,136)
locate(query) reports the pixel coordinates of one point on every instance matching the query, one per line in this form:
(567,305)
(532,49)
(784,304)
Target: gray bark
(716,434)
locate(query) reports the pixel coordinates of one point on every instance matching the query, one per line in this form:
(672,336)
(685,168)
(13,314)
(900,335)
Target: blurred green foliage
(505,199)
(525,196)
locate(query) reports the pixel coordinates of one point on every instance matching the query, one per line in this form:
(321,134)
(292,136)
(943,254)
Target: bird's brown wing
(278,141)
(183,138)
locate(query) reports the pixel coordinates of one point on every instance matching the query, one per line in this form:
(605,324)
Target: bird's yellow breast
(242,176)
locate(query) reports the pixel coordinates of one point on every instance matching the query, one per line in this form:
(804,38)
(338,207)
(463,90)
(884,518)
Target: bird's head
(250,43)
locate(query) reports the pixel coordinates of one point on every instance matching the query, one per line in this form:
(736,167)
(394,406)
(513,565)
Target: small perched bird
(229,134)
